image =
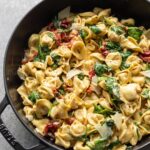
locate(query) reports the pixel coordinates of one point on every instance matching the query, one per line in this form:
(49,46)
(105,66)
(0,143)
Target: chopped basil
(135,32)
(99,145)
(42,53)
(83,138)
(129,148)
(146,93)
(118,30)
(116,102)
(34,96)
(83,34)
(104,111)
(100,69)
(147,66)
(102,78)
(49,112)
(100,42)
(53,104)
(113,46)
(110,123)
(37,59)
(113,144)
(95,29)
(125,55)
(81,76)
(61,90)
(124,66)
(51,36)
(112,87)
(56,59)
(56,22)
(108,21)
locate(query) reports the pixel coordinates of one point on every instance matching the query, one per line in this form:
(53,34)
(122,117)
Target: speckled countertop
(11,11)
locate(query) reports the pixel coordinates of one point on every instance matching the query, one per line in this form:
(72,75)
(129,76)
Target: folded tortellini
(77,129)
(63,136)
(130,92)
(40,125)
(130,43)
(60,111)
(113,60)
(42,107)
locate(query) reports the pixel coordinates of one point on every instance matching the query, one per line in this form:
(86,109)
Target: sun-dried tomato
(89,90)
(65,23)
(145,59)
(65,37)
(103,49)
(70,120)
(91,74)
(52,127)
(50,26)
(104,52)
(145,56)
(57,38)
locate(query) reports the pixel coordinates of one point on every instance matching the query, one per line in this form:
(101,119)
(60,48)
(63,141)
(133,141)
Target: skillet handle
(8,136)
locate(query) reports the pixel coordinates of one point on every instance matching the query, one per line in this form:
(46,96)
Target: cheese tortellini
(86,81)
(113,60)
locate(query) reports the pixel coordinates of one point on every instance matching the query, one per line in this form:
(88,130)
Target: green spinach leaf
(104,111)
(100,69)
(83,34)
(125,55)
(110,123)
(81,76)
(135,32)
(118,30)
(113,144)
(42,53)
(34,96)
(99,145)
(95,29)
(113,46)
(112,87)
(56,59)
(146,93)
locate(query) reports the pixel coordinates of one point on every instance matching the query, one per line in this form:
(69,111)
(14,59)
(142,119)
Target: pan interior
(39,17)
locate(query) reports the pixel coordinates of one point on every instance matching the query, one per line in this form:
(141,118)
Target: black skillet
(32,23)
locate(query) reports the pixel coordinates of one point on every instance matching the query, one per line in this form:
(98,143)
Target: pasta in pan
(86,81)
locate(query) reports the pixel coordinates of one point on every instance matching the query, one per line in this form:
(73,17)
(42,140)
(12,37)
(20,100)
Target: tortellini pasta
(130,43)
(40,125)
(60,111)
(86,81)
(77,129)
(80,85)
(113,60)
(130,92)
(47,39)
(78,50)
(124,76)
(63,136)
(42,107)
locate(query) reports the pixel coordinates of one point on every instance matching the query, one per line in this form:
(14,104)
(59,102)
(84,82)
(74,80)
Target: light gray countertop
(11,11)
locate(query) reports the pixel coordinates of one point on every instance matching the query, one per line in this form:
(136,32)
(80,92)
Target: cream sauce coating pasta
(86,81)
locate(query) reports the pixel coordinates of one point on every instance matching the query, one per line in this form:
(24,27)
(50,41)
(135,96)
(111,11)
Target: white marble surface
(11,11)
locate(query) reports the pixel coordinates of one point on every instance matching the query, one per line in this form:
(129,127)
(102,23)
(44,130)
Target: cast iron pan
(37,18)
